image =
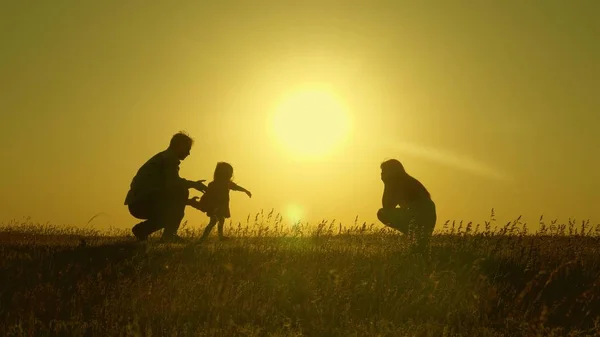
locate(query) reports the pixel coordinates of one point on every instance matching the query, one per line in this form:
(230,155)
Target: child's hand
(249,194)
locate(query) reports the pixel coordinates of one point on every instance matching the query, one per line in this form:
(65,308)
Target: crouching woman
(416,215)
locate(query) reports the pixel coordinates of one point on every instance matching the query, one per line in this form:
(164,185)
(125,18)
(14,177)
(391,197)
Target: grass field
(326,280)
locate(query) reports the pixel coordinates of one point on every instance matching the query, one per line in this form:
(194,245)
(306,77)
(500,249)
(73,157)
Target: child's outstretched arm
(235,187)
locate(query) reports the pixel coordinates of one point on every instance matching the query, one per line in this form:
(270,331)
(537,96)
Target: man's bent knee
(178,192)
(176,196)
(141,209)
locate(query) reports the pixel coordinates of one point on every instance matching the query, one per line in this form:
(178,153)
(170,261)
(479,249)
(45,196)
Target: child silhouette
(215,201)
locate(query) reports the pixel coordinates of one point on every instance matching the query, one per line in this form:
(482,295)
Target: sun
(310,123)
(294,213)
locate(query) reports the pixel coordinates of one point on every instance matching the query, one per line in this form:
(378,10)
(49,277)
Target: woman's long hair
(400,176)
(394,166)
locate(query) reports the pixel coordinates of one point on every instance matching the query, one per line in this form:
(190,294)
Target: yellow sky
(487,105)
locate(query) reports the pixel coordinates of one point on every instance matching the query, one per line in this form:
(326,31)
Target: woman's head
(223,172)
(392,169)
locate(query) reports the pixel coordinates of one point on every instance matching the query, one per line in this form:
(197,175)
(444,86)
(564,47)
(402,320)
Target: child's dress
(215,201)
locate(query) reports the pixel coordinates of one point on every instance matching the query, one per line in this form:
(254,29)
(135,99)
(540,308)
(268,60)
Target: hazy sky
(489,105)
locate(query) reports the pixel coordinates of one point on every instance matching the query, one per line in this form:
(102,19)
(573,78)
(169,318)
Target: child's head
(223,172)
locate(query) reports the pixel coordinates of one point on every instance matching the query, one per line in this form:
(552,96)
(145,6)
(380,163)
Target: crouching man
(159,195)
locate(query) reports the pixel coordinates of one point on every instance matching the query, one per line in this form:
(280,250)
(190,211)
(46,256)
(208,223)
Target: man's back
(151,176)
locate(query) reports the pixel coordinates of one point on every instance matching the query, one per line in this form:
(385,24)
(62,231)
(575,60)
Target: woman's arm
(388,200)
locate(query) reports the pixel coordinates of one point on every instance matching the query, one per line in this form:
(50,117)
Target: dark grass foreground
(360,282)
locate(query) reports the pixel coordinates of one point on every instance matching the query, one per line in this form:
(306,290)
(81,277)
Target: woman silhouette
(416,216)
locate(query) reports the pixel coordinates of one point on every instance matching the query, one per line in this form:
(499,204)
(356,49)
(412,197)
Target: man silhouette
(158,194)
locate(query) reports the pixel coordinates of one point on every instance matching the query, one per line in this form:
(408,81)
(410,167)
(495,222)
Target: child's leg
(209,227)
(221,222)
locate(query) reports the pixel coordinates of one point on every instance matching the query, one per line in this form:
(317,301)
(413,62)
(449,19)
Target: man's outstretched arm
(172,179)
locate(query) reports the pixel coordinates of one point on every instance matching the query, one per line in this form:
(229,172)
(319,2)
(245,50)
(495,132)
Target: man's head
(181,144)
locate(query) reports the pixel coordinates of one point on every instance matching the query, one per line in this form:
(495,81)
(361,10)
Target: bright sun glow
(311,123)
(294,213)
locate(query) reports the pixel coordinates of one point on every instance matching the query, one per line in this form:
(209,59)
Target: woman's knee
(383,216)
(428,220)
(380,214)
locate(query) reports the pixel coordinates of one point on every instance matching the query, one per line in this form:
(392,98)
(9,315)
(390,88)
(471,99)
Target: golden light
(294,213)
(311,123)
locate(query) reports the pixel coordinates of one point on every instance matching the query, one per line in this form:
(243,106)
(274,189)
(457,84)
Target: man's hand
(199,185)
(249,194)
(194,202)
